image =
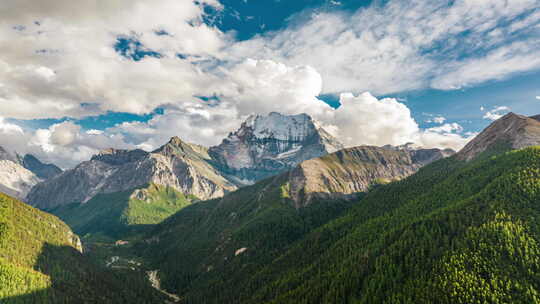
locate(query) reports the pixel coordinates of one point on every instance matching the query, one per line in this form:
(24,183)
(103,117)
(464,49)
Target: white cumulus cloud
(496,113)
(366,120)
(406,45)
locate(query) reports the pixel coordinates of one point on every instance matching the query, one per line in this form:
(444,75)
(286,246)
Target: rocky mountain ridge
(42,170)
(19,174)
(15,180)
(350,171)
(264,146)
(177,164)
(512,131)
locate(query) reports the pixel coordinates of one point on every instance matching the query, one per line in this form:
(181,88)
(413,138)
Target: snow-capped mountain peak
(281,127)
(268,144)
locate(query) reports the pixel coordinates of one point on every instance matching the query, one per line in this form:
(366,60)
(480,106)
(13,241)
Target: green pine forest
(455,232)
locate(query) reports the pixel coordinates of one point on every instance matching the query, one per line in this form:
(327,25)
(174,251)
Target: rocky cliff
(512,131)
(177,164)
(346,173)
(271,144)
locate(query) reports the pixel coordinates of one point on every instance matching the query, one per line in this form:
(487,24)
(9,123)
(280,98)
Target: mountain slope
(204,241)
(441,235)
(15,180)
(18,175)
(271,144)
(445,245)
(355,170)
(512,131)
(114,215)
(252,226)
(41,262)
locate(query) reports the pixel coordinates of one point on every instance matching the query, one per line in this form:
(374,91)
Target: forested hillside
(225,238)
(41,262)
(455,232)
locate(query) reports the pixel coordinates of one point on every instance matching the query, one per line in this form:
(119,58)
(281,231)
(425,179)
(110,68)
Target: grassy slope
(453,233)
(113,215)
(39,263)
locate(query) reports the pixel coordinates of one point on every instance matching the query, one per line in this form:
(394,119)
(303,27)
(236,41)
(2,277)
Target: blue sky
(248,18)
(140,73)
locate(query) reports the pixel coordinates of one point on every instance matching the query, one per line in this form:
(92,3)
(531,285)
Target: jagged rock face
(511,131)
(192,170)
(267,145)
(350,171)
(43,171)
(426,156)
(177,164)
(15,180)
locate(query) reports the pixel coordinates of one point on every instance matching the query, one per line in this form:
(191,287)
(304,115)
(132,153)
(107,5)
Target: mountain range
(280,212)
(114,182)
(257,150)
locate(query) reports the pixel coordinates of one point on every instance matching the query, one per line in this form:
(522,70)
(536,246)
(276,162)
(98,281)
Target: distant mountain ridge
(354,170)
(177,164)
(15,180)
(263,146)
(19,174)
(42,170)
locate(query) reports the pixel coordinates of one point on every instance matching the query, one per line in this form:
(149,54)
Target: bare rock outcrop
(512,131)
(350,171)
(180,165)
